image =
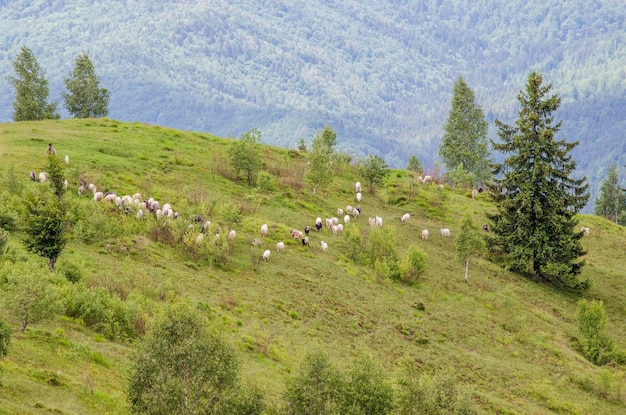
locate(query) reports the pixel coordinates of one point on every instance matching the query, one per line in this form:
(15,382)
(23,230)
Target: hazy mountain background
(379,73)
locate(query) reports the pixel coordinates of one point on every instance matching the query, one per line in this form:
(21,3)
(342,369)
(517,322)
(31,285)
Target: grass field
(509,341)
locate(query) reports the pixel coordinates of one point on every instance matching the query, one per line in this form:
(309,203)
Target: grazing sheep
(43,176)
(379,221)
(256,242)
(296,234)
(346,219)
(318,226)
(65,184)
(33,176)
(372,222)
(98,196)
(139,214)
(92,187)
(349,210)
(307,229)
(405,218)
(585,231)
(280,247)
(485,227)
(67,159)
(335,221)
(356,213)
(110,197)
(427,179)
(335,229)
(206,225)
(318,220)
(420,179)
(358,187)
(324,246)
(441,186)
(329,223)
(264,230)
(425,234)
(231,235)
(445,232)
(474,193)
(305,241)
(199,238)
(81,190)
(339,211)
(340,228)
(266,255)
(359,197)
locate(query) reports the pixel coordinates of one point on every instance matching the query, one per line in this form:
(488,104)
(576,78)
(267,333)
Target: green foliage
(469,242)
(374,170)
(245,155)
(421,394)
(84,98)
(366,389)
(611,203)
(315,389)
(461,177)
(12,183)
(56,175)
(413,263)
(71,272)
(536,197)
(381,244)
(319,172)
(229,213)
(180,368)
(4,241)
(5,339)
(354,242)
(28,295)
(31,90)
(266,181)
(102,311)
(464,144)
(596,346)
(414,164)
(44,224)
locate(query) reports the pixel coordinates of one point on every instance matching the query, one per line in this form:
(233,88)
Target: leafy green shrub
(4,241)
(596,346)
(413,264)
(5,339)
(101,311)
(266,181)
(71,272)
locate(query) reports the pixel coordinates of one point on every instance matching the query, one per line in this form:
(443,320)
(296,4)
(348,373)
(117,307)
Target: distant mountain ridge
(379,73)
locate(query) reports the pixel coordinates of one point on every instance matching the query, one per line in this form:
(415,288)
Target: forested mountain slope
(379,73)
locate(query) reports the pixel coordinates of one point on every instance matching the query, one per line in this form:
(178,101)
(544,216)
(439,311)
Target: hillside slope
(381,74)
(509,341)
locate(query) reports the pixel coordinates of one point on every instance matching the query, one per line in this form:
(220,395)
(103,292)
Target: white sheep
(256,242)
(335,229)
(379,221)
(67,159)
(266,255)
(339,211)
(65,184)
(356,213)
(427,179)
(280,247)
(206,225)
(265,230)
(358,187)
(110,197)
(324,246)
(405,218)
(91,187)
(43,176)
(81,190)
(584,230)
(98,196)
(425,234)
(349,210)
(420,179)
(139,214)
(372,222)
(199,238)
(358,197)
(231,235)
(474,193)
(340,228)
(445,232)
(346,219)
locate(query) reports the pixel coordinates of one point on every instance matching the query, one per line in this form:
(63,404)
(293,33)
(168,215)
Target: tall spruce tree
(611,200)
(535,224)
(31,90)
(465,135)
(84,98)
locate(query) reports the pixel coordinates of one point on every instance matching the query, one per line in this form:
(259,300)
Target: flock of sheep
(134,203)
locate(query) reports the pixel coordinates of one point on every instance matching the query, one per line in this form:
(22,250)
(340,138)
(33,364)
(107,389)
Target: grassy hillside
(512,343)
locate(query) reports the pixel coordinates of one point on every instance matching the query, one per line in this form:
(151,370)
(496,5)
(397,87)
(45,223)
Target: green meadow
(508,341)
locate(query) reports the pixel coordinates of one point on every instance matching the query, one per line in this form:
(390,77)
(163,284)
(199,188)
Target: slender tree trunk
(466,267)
